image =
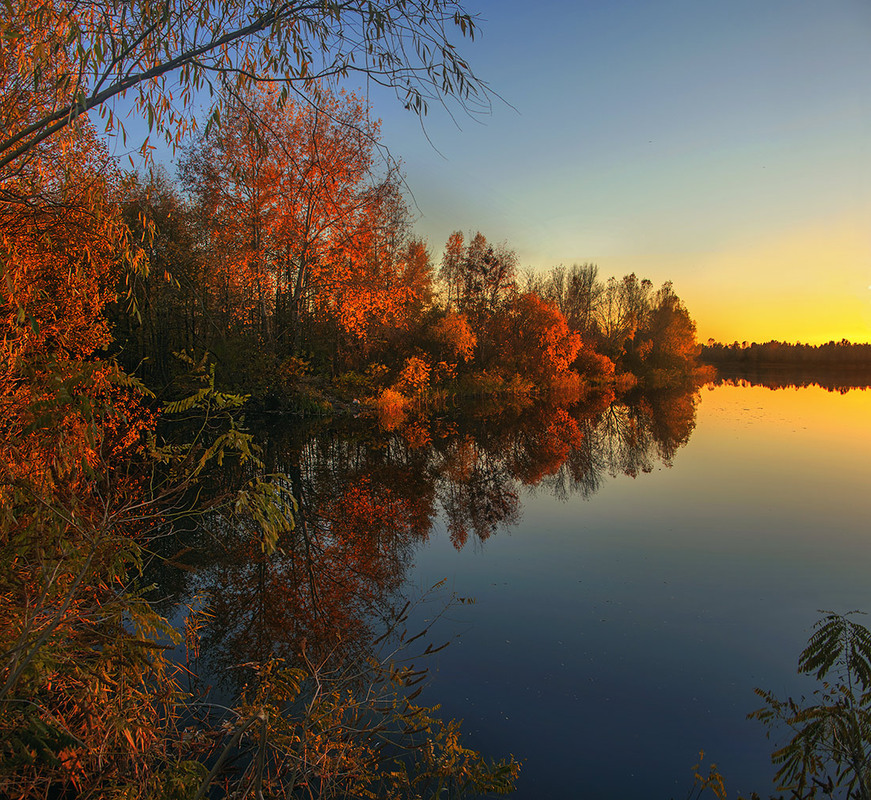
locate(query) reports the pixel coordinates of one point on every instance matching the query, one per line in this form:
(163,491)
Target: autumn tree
(450,273)
(89,704)
(476,277)
(535,341)
(662,349)
(62,246)
(671,331)
(486,276)
(623,309)
(79,56)
(454,333)
(377,281)
(88,700)
(309,242)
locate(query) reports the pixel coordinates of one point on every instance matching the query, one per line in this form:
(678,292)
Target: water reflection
(368,498)
(831,378)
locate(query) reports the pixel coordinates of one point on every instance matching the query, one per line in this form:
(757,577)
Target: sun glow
(808,284)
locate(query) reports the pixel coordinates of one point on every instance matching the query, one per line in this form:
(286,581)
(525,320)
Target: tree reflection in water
(367,498)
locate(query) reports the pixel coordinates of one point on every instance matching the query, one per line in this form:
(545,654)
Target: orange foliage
(593,365)
(541,449)
(535,339)
(672,331)
(390,407)
(368,527)
(60,244)
(414,377)
(454,331)
(301,226)
(70,500)
(417,435)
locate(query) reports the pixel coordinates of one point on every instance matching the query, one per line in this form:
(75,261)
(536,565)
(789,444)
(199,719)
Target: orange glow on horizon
(809,284)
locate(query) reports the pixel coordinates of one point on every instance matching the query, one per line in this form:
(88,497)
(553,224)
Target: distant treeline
(835,366)
(785,377)
(835,354)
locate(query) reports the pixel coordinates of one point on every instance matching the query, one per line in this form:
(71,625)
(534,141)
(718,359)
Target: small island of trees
(288,255)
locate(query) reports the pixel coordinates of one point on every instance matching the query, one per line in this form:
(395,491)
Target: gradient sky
(722,146)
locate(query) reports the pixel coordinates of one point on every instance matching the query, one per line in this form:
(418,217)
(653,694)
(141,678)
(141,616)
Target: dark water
(614,637)
(631,571)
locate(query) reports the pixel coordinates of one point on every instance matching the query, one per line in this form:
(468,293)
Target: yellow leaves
(194,623)
(338,746)
(713,780)
(271,505)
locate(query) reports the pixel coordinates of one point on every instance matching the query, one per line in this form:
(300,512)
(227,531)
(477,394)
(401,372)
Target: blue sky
(723,146)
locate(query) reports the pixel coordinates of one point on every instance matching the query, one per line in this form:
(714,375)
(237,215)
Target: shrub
(390,407)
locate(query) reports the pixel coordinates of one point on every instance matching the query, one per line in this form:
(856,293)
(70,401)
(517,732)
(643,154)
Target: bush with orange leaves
(534,340)
(414,377)
(76,669)
(454,331)
(595,367)
(390,407)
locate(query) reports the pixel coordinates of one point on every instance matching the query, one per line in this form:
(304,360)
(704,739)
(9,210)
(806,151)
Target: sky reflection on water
(612,638)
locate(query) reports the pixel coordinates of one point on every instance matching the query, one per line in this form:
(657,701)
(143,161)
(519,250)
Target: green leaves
(839,643)
(831,740)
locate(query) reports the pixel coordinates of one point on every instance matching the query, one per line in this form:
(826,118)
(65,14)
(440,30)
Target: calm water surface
(636,571)
(612,637)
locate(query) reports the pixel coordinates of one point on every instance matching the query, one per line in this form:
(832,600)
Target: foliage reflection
(367,498)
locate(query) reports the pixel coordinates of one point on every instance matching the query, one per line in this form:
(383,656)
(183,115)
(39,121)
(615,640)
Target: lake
(628,573)
(615,636)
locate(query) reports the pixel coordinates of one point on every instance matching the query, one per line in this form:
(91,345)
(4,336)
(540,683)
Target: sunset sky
(723,146)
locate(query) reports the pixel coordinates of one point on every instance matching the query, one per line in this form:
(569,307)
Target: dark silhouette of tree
(836,366)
